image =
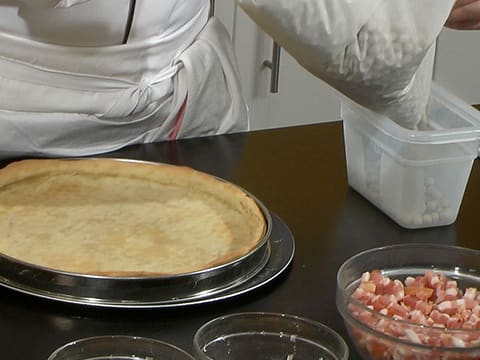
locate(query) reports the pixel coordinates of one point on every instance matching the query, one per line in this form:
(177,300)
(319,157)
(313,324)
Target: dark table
(299,174)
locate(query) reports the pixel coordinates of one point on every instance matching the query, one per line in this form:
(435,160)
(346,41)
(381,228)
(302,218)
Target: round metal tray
(280,248)
(131,291)
(282,251)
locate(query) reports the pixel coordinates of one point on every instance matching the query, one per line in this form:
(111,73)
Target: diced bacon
(431,278)
(465,315)
(420,281)
(383,301)
(364,316)
(401,311)
(434,281)
(447,307)
(368,286)
(418,317)
(412,336)
(432,341)
(392,288)
(424,306)
(432,301)
(439,318)
(451,284)
(354,309)
(470,298)
(470,293)
(451,340)
(383,311)
(362,295)
(475,343)
(409,281)
(473,322)
(376,276)
(476,310)
(410,301)
(422,293)
(451,293)
(385,287)
(454,323)
(398,290)
(440,295)
(385,281)
(365,277)
(377,349)
(469,303)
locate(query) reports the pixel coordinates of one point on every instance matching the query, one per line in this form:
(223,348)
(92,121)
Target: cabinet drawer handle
(212,7)
(274,66)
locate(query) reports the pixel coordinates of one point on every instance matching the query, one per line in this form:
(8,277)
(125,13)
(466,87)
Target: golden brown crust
(123,218)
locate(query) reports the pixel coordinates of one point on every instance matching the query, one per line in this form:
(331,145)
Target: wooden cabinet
(301,97)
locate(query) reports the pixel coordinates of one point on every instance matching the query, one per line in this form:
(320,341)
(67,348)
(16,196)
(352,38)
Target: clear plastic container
(416,177)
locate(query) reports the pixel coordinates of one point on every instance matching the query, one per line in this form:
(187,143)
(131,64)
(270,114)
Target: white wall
(458,63)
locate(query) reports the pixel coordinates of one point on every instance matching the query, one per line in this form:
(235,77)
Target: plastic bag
(378,53)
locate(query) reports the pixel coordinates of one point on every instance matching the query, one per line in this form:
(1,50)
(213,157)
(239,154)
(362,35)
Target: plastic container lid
(450,120)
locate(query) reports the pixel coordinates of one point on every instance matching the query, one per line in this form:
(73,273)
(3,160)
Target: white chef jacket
(70,87)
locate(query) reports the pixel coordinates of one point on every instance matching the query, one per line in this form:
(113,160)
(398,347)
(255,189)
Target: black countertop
(299,174)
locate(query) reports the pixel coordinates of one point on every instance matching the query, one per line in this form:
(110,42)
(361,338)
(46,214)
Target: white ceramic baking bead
(418,220)
(446,214)
(427,219)
(432,205)
(429,181)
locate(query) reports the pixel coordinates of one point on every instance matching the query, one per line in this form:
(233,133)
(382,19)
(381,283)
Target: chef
(80,77)
(465,15)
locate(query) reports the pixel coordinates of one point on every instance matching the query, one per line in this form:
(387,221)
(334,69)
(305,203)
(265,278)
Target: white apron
(71,101)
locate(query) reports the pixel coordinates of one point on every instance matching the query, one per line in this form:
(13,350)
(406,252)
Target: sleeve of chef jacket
(55,3)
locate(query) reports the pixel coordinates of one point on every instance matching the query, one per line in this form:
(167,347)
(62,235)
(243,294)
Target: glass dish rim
(278,315)
(119,337)
(345,297)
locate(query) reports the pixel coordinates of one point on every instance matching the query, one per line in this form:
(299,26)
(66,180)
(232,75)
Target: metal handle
(274,66)
(212,8)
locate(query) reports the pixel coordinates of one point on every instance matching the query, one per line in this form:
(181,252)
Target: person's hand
(465,15)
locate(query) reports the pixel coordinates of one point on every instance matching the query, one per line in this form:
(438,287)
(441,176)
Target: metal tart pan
(282,251)
(132,291)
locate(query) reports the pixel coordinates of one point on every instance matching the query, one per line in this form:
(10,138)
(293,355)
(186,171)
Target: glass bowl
(260,335)
(383,336)
(119,348)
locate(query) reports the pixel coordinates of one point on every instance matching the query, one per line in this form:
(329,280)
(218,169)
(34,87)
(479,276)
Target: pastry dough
(123,218)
